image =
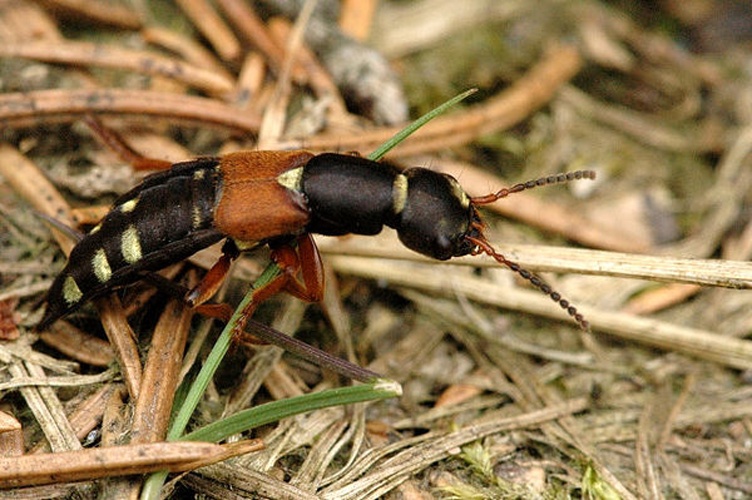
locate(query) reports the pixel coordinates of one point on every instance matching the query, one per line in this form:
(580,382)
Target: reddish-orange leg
(214,278)
(307,260)
(304,259)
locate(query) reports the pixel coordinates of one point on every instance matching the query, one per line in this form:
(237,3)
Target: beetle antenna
(537,281)
(543,181)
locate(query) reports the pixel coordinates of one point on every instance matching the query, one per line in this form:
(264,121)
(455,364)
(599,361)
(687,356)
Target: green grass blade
(204,377)
(278,410)
(415,125)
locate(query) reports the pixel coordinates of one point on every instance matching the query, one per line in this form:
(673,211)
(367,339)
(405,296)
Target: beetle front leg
(215,277)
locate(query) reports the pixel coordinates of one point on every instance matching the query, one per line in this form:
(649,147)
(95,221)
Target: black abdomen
(165,219)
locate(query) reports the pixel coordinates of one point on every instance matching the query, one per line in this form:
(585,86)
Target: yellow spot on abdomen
(71,292)
(101,266)
(129,205)
(130,245)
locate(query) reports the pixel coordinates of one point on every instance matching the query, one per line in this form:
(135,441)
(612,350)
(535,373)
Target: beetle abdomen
(165,219)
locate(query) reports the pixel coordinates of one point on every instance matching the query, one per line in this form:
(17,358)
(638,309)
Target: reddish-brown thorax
(276,210)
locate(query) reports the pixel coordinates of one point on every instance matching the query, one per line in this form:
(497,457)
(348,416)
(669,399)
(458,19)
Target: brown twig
(29,182)
(111,14)
(78,345)
(86,416)
(111,56)
(123,340)
(115,461)
(151,415)
(356,17)
(45,106)
(315,75)
(528,94)
(213,27)
(249,83)
(188,48)
(255,31)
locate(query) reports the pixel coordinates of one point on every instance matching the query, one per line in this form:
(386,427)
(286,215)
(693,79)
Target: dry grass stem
(702,344)
(65,381)
(706,272)
(47,408)
(380,477)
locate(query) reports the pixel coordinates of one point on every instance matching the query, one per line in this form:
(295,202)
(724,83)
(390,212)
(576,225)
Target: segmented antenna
(543,181)
(483,246)
(536,281)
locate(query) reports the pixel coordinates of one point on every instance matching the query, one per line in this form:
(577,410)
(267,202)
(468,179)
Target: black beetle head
(439,220)
(437,216)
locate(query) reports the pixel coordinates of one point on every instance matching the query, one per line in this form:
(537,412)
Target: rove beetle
(252,198)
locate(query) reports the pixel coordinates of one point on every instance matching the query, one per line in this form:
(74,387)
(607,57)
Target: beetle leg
(222,312)
(219,311)
(307,260)
(214,278)
(116,143)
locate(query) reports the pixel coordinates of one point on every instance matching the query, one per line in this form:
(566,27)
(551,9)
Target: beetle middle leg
(214,277)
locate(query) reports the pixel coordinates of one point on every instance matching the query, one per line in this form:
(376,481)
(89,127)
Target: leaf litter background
(500,401)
